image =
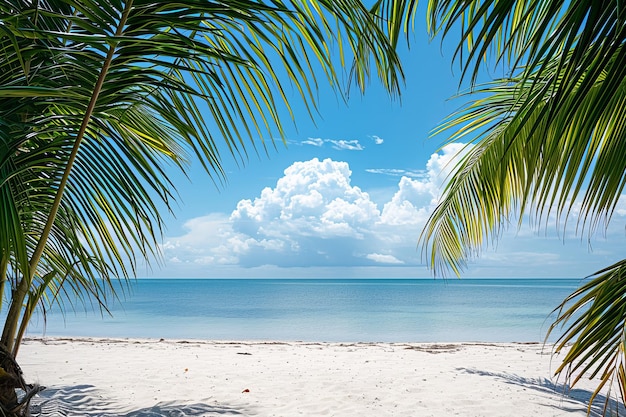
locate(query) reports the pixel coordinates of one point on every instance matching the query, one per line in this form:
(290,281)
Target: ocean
(322,310)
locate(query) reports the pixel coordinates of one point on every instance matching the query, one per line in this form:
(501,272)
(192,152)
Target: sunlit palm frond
(530,38)
(527,160)
(397,16)
(525,33)
(594,338)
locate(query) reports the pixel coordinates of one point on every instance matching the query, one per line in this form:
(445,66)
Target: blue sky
(348,195)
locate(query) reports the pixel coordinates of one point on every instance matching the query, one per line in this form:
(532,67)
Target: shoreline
(191,340)
(186,377)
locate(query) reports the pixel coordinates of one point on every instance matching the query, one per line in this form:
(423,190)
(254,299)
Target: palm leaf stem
(4,265)
(594,340)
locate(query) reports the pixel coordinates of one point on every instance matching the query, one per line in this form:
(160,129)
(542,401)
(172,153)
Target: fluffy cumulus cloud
(314,216)
(319,217)
(415,198)
(203,243)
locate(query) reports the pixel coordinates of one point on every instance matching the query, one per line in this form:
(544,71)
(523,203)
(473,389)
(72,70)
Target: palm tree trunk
(13,315)
(11,378)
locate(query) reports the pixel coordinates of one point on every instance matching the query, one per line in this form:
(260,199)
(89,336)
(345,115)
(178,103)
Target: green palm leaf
(594,342)
(527,161)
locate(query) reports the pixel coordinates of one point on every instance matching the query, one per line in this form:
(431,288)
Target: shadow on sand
(87,401)
(572,399)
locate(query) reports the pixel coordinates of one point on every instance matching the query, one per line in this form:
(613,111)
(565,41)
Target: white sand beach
(108,377)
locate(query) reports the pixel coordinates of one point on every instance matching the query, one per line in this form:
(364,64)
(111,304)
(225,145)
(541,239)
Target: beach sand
(107,377)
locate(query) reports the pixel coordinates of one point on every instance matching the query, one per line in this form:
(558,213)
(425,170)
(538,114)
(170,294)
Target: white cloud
(384,259)
(207,241)
(314,217)
(394,172)
(411,204)
(350,145)
(416,198)
(440,165)
(377,140)
(339,144)
(313,141)
(313,210)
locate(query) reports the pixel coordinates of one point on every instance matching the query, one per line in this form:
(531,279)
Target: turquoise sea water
(341,310)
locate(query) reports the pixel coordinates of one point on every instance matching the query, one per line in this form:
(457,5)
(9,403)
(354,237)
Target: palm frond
(594,323)
(582,40)
(108,96)
(527,160)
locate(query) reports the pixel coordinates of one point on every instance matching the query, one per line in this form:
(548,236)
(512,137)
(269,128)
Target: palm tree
(548,139)
(99,98)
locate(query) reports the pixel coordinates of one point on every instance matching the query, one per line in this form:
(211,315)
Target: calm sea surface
(341,310)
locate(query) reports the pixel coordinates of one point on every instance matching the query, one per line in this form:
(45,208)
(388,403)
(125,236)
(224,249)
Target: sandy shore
(105,377)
